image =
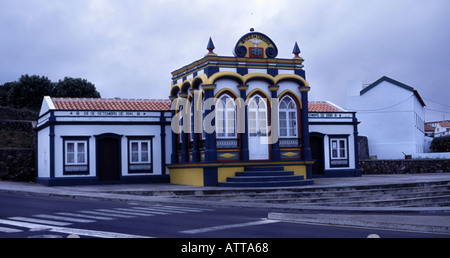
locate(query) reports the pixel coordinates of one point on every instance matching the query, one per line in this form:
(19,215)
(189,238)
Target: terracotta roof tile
(151,104)
(429,128)
(111,104)
(323,106)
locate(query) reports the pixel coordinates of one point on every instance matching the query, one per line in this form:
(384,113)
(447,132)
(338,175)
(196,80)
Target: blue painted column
(195,142)
(210,141)
(52,155)
(275,131)
(183,133)
(358,171)
(305,130)
(243,123)
(174,156)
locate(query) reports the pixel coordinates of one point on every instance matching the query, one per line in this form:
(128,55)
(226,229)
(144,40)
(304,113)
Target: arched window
(226,118)
(288,118)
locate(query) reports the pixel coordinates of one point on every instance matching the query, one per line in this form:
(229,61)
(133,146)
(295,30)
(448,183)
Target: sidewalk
(385,217)
(429,224)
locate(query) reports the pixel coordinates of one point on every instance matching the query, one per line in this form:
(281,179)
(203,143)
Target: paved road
(31,216)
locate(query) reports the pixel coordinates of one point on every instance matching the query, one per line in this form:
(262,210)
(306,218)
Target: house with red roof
(442,129)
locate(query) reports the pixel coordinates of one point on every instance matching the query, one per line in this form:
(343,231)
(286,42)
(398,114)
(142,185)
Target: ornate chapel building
(261,132)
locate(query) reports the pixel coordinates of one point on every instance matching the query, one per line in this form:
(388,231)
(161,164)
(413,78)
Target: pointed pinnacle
(296,50)
(210,46)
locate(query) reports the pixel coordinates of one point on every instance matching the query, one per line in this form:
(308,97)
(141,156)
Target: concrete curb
(426,224)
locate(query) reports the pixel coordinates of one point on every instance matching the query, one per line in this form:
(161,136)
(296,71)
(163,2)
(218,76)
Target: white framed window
(226,118)
(339,151)
(140,151)
(339,148)
(140,154)
(288,117)
(76,153)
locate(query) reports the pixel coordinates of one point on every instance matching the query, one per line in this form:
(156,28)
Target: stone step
(422,201)
(264,169)
(268,184)
(266,173)
(362,197)
(264,178)
(317,193)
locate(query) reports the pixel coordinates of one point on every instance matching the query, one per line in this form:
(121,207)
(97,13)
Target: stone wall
(376,167)
(17,164)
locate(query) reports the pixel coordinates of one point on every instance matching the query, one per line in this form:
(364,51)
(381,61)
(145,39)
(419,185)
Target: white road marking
(83,216)
(149,211)
(159,209)
(41,221)
(9,230)
(109,214)
(46,216)
(185,208)
(125,212)
(217,228)
(135,212)
(69,231)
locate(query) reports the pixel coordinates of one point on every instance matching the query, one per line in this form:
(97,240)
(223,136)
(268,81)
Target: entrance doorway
(108,157)
(258,139)
(317,153)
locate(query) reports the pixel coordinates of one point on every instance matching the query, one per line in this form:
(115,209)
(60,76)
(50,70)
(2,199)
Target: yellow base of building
(213,174)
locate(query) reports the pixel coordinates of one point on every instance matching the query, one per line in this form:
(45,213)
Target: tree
(4,89)
(441,144)
(75,88)
(29,92)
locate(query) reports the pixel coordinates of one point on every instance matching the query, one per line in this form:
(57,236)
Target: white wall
(388,115)
(43,152)
(91,131)
(330,130)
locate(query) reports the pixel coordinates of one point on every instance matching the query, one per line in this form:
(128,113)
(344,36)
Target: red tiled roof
(429,128)
(323,106)
(111,104)
(151,104)
(444,124)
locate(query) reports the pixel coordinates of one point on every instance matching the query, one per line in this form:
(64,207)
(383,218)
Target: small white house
(333,140)
(442,129)
(391,115)
(95,141)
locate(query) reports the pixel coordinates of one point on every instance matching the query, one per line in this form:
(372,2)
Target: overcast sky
(128,48)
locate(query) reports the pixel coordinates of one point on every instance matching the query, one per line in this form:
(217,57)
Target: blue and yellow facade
(246,88)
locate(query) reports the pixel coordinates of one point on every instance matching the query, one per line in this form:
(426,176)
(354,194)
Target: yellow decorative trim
(233,95)
(251,76)
(218,75)
(292,94)
(251,94)
(243,79)
(281,77)
(290,154)
(227,155)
